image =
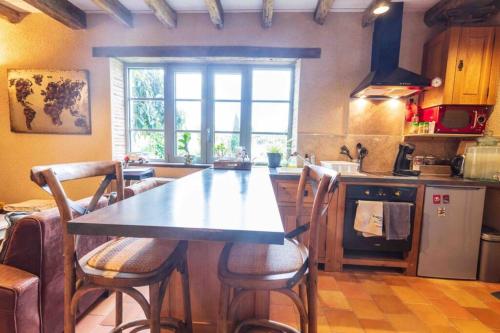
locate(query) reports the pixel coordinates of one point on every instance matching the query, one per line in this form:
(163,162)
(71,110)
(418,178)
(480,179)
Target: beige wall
(324,120)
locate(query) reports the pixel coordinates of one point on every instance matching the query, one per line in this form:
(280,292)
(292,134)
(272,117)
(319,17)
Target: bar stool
(246,268)
(120,264)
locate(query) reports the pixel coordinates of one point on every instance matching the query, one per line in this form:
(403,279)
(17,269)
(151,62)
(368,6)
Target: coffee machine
(403,161)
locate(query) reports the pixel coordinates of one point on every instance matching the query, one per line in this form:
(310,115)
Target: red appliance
(457,119)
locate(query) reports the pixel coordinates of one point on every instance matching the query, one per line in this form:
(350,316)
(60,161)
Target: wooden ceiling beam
(117,11)
(11,15)
(163,12)
(216,12)
(322,9)
(267,13)
(446,10)
(62,11)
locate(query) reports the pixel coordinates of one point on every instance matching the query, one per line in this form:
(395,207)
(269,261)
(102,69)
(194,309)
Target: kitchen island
(207,208)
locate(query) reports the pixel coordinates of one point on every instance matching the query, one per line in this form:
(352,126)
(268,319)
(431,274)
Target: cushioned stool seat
(132,255)
(264,259)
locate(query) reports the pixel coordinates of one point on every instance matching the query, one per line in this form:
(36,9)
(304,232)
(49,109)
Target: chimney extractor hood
(387,79)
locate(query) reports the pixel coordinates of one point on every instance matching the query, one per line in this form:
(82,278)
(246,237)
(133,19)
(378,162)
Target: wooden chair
(119,265)
(246,268)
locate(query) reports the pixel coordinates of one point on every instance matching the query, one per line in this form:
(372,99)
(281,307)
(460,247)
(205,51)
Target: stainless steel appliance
(451,232)
(352,240)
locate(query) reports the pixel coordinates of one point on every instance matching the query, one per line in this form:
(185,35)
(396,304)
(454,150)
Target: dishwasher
(451,232)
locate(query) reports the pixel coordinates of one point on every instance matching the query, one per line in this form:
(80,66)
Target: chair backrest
(324,182)
(50,178)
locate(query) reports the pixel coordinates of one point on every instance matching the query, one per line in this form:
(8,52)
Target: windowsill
(172,165)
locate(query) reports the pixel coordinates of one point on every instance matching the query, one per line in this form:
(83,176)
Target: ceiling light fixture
(381,8)
(376,8)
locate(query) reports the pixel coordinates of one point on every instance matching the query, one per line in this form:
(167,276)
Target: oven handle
(411,203)
(475,119)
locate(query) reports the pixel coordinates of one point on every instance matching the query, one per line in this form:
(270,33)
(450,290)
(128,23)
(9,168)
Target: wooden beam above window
(117,11)
(11,15)
(163,12)
(216,12)
(322,9)
(206,51)
(267,13)
(62,11)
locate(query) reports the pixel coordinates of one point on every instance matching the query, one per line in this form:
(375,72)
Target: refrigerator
(451,232)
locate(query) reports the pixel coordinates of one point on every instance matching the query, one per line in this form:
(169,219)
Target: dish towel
(369,218)
(397,220)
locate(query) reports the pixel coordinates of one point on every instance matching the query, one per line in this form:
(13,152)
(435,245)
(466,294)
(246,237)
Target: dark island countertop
(214,205)
(389,178)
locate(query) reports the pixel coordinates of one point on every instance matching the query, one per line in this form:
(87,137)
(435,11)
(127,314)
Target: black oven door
(353,240)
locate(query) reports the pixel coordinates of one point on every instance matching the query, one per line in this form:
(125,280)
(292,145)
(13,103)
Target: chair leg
(118,308)
(188,320)
(303,293)
(223,308)
(69,290)
(155,307)
(312,305)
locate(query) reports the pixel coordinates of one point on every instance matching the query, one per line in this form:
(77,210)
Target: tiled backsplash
(378,125)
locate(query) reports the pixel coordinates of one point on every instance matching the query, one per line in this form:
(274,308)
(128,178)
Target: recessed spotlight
(381,9)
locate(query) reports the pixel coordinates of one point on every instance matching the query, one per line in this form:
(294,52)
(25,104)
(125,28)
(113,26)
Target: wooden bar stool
(246,268)
(120,264)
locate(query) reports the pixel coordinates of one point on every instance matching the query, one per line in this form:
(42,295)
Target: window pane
(188,116)
(270,117)
(188,85)
(146,82)
(261,143)
(194,145)
(227,116)
(226,144)
(227,86)
(146,114)
(271,85)
(151,143)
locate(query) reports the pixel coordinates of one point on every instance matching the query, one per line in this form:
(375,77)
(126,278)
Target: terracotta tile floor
(370,302)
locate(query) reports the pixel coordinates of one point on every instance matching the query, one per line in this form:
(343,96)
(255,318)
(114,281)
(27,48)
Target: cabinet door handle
(460,65)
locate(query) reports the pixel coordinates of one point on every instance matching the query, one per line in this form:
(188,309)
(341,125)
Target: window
(219,107)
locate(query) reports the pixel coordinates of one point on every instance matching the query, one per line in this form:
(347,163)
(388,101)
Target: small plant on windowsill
(220,151)
(274,156)
(184,147)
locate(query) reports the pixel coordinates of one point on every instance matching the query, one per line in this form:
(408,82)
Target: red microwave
(457,119)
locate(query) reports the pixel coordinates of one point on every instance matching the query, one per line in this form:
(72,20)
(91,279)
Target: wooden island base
(203,257)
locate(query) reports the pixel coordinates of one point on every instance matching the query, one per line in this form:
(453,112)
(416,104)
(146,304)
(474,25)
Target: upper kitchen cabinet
(467,60)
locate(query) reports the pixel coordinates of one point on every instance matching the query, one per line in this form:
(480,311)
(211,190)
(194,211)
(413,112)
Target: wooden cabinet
(286,191)
(467,59)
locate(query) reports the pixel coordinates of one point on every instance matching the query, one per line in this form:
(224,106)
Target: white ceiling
(237,5)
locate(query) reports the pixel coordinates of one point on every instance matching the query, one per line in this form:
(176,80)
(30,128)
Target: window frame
(207,130)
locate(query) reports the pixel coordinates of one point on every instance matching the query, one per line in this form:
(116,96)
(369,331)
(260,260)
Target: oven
(457,119)
(353,240)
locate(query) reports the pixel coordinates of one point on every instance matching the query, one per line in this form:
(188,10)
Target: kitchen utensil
(430,160)
(358,149)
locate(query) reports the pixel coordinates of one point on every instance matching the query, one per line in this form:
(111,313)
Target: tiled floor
(372,302)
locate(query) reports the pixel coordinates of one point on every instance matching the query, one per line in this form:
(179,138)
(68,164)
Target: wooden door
(473,66)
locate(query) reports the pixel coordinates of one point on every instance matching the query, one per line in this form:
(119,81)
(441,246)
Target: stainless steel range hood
(387,79)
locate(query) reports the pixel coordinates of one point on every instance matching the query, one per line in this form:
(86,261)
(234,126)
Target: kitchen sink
(289,171)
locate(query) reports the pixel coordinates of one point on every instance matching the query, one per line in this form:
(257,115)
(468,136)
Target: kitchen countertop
(389,178)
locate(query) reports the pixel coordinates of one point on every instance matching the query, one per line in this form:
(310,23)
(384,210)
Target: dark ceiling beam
(267,13)
(206,51)
(117,11)
(216,12)
(461,11)
(322,10)
(62,11)
(11,15)
(369,16)
(163,12)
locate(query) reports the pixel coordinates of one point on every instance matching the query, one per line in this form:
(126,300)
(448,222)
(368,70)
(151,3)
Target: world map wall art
(49,101)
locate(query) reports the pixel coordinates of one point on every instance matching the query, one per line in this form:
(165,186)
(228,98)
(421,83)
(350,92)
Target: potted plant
(220,150)
(184,146)
(274,156)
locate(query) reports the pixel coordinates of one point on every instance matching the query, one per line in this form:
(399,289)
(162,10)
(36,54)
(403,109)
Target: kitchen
(449,77)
